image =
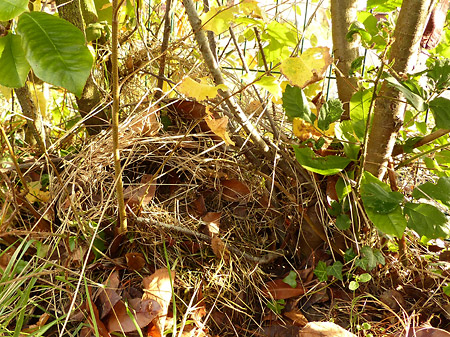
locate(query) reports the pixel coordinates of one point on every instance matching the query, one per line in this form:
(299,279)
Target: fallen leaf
(234,190)
(142,194)
(430,332)
(108,297)
(146,123)
(280,331)
(158,287)
(199,205)
(220,249)
(279,290)
(213,221)
(143,312)
(219,127)
(324,329)
(199,91)
(99,326)
(308,68)
(189,110)
(297,317)
(135,261)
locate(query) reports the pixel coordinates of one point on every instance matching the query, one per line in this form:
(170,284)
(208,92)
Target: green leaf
(440,107)
(427,220)
(446,290)
(358,28)
(379,256)
(379,200)
(384,5)
(359,110)
(56,50)
(15,68)
(296,105)
(364,277)
(281,33)
(326,166)
(349,255)
(9,9)
(321,271)
(271,84)
(336,270)
(330,112)
(438,73)
(370,257)
(343,222)
(342,189)
(291,279)
(440,191)
(353,285)
(393,223)
(413,98)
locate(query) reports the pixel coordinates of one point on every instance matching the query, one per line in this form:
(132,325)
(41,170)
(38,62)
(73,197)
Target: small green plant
(276,306)
(357,279)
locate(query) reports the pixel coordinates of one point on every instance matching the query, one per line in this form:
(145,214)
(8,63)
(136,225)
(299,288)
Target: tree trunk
(389,110)
(90,98)
(343,13)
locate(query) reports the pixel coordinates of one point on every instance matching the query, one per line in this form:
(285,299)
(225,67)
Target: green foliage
(276,306)
(329,113)
(291,279)
(56,50)
(384,5)
(343,222)
(439,191)
(328,165)
(438,73)
(15,68)
(370,258)
(363,278)
(322,271)
(336,270)
(427,220)
(410,92)
(441,112)
(9,9)
(296,104)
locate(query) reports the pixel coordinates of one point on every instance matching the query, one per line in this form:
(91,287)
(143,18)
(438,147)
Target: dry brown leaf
(280,331)
(135,261)
(108,297)
(234,190)
(144,311)
(102,331)
(188,109)
(213,220)
(158,287)
(297,317)
(279,290)
(324,329)
(219,127)
(200,206)
(146,123)
(430,332)
(219,249)
(142,194)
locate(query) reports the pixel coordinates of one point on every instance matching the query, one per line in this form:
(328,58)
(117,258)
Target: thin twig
(267,258)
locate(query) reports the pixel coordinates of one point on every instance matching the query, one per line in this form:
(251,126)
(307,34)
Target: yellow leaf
(219,127)
(35,193)
(218,18)
(199,91)
(5,91)
(308,68)
(251,9)
(304,131)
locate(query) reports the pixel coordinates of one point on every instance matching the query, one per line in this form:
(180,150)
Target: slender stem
(115,116)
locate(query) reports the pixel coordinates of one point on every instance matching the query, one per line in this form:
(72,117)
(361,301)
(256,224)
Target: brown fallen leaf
(213,221)
(158,287)
(145,123)
(143,311)
(99,326)
(324,329)
(108,297)
(279,290)
(234,190)
(135,261)
(220,249)
(298,319)
(430,332)
(141,194)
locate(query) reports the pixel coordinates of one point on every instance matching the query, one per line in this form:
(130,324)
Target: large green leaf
(14,66)
(378,199)
(441,111)
(9,9)
(427,220)
(359,111)
(296,105)
(438,73)
(412,97)
(330,112)
(56,50)
(440,191)
(393,223)
(326,166)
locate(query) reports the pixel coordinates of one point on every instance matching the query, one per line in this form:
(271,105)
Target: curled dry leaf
(142,194)
(158,287)
(145,123)
(108,297)
(219,249)
(297,317)
(213,221)
(234,190)
(429,332)
(200,206)
(135,261)
(187,109)
(279,290)
(324,329)
(219,127)
(143,311)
